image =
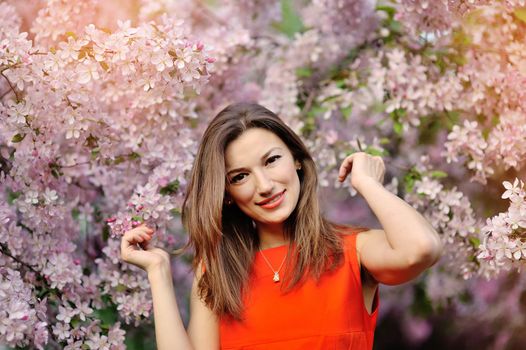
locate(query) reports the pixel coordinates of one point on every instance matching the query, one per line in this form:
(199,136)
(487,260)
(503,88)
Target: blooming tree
(103,105)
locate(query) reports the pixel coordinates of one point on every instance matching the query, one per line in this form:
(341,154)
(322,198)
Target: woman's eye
(273,159)
(237,178)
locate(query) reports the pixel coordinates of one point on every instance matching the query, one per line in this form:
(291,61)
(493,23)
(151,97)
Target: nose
(264,183)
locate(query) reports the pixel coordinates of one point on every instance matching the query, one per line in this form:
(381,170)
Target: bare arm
(203,332)
(405,247)
(203,329)
(408,244)
(169,329)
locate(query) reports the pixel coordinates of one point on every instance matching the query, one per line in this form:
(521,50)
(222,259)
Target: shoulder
(363,237)
(351,232)
(355,235)
(368,236)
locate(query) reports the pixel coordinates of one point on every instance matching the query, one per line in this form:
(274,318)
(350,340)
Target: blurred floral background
(102,105)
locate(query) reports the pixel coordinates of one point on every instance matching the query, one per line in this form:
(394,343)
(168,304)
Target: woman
(270,271)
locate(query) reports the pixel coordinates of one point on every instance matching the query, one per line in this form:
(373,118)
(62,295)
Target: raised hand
(362,165)
(146,256)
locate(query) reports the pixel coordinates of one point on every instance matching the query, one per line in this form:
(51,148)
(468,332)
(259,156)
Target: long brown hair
(224,238)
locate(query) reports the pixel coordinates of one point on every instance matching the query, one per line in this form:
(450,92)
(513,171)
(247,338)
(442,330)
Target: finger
(133,237)
(346,167)
(145,228)
(144,244)
(128,246)
(146,236)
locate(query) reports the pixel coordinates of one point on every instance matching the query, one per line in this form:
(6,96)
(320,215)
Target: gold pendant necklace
(276,273)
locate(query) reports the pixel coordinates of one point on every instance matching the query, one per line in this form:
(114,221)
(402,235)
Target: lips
(270,199)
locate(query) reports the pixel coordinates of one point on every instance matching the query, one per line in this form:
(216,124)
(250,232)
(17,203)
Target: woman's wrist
(158,272)
(362,183)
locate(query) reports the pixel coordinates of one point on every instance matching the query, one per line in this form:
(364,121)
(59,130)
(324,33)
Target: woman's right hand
(148,257)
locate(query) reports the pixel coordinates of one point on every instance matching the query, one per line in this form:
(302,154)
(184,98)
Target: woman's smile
(273,201)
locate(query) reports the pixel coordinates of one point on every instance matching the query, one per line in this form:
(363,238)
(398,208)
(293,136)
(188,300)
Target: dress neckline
(279,247)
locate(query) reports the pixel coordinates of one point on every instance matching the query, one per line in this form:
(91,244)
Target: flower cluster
(84,108)
(504,234)
(449,211)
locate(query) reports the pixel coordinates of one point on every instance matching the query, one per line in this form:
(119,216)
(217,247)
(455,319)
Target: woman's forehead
(250,146)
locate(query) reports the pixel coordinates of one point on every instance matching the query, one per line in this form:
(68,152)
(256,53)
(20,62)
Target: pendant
(276,277)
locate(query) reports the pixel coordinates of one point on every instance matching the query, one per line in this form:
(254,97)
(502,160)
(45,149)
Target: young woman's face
(261,176)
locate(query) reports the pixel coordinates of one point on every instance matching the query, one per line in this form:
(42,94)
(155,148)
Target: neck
(271,236)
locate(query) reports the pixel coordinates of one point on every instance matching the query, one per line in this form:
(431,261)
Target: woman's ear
(298,164)
(227,199)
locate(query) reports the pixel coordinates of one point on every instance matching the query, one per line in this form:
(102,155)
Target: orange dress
(327,315)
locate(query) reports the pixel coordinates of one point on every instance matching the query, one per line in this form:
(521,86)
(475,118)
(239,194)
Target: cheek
(242,194)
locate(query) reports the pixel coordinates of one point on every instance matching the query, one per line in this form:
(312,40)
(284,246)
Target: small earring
(228,202)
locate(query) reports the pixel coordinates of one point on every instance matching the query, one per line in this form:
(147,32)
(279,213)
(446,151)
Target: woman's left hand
(363,166)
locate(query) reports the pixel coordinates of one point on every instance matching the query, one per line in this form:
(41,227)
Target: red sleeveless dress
(327,315)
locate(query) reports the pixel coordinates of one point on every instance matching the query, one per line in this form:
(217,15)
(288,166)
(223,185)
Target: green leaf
(346,112)
(75,212)
(291,22)
(388,9)
(107,315)
(121,288)
(137,218)
(105,233)
(409,179)
(378,107)
(340,83)
(55,170)
(421,303)
(55,173)
(475,242)
(373,151)
(395,27)
(316,110)
(97,213)
(18,138)
(495,120)
(438,174)
(134,156)
(398,128)
(303,72)
(12,196)
(75,321)
(520,14)
(139,338)
(118,160)
(170,189)
(465,297)
(95,152)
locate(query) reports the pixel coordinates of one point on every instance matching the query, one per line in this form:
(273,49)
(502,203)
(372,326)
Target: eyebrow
(262,157)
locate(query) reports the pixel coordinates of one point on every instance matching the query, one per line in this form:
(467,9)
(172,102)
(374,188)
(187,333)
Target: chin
(275,219)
